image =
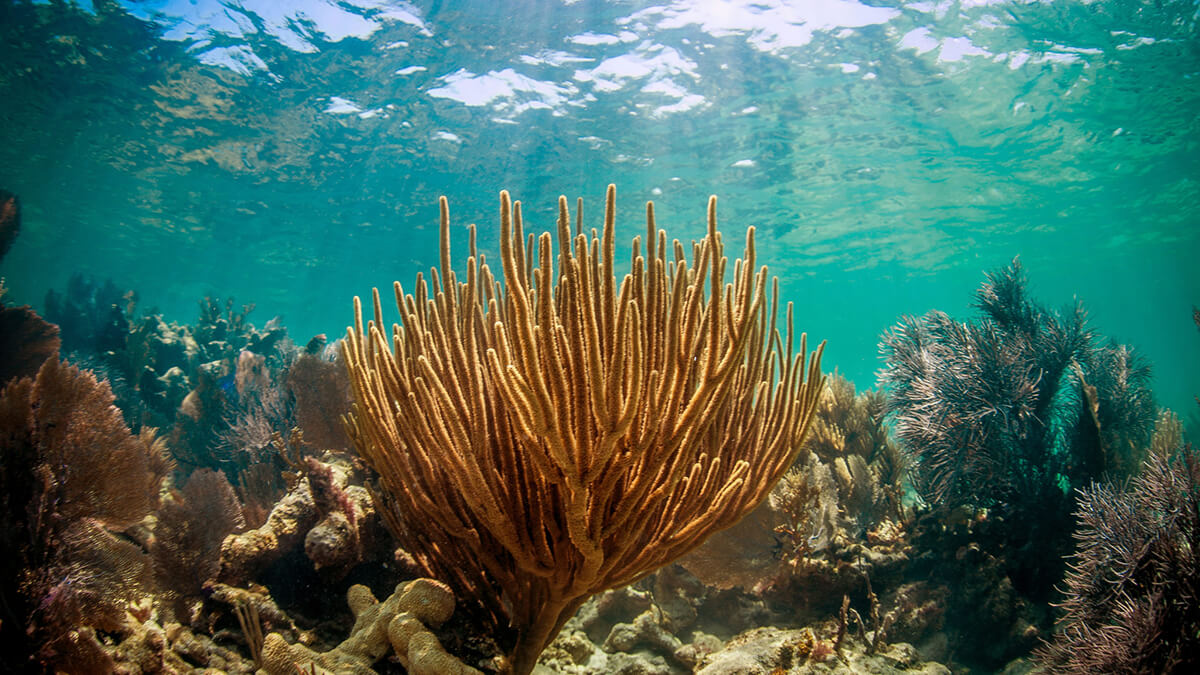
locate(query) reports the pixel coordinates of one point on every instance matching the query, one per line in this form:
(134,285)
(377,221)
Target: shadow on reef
(249,536)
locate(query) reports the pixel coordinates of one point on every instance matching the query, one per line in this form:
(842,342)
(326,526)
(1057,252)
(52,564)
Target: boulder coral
(401,622)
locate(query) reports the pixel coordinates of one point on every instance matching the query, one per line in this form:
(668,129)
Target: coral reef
(560,434)
(645,645)
(322,394)
(239,559)
(1133,586)
(770,650)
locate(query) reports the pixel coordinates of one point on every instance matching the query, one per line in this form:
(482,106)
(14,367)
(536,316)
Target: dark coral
(26,341)
(10,220)
(94,317)
(1005,409)
(1003,418)
(1015,410)
(1133,590)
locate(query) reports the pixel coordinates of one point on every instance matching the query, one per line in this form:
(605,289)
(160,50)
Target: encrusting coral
(545,439)
(334,523)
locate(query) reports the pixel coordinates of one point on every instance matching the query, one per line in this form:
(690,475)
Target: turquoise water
(889,153)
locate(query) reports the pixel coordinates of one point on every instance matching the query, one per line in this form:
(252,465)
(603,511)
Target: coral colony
(546,464)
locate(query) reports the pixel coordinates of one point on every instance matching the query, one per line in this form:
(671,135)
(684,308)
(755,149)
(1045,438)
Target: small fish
(228,386)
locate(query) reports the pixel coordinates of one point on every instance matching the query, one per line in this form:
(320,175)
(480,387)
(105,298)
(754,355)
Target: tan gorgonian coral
(558,434)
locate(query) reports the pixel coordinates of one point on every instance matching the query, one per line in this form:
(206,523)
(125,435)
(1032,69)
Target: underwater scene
(641,337)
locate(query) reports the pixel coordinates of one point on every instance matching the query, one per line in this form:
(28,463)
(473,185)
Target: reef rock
(767,650)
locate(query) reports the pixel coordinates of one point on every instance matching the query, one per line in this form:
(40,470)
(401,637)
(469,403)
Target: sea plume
(1133,588)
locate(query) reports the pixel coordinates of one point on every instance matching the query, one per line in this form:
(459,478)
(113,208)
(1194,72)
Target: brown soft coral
(192,524)
(73,480)
(26,340)
(322,393)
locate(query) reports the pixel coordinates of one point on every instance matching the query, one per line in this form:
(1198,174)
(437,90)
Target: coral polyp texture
(561,433)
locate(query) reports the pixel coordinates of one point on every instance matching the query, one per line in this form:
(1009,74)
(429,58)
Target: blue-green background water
(291,154)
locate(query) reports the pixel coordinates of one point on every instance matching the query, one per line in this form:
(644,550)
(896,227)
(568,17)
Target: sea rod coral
(546,438)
